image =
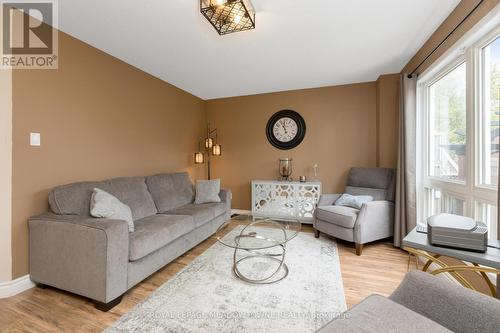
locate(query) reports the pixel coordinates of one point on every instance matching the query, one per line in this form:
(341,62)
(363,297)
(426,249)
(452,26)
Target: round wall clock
(286,129)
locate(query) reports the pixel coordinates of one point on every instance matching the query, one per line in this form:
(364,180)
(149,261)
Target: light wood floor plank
(379,270)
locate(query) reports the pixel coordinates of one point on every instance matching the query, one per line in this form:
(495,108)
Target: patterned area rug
(206,296)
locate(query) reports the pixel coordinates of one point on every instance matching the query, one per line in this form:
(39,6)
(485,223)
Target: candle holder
(285,168)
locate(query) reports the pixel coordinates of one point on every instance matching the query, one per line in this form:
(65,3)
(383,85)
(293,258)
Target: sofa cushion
(379,314)
(375,193)
(74,199)
(370,177)
(105,205)
(154,232)
(448,303)
(354,201)
(339,215)
(170,190)
(373,178)
(202,213)
(207,191)
(134,193)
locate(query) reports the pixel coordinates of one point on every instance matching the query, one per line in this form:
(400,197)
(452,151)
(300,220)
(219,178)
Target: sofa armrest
(226,196)
(451,305)
(375,221)
(84,255)
(328,199)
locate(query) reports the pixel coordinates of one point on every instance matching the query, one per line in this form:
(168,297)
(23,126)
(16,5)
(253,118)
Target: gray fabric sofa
(422,303)
(375,219)
(99,258)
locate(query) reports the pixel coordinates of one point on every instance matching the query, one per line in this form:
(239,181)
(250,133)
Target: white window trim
(466,49)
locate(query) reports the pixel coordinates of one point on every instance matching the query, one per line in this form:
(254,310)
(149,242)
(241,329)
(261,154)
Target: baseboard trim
(14,287)
(240,212)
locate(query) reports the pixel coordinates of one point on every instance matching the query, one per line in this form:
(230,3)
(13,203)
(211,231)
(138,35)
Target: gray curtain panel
(405,211)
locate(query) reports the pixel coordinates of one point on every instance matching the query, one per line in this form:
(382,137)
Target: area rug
(206,296)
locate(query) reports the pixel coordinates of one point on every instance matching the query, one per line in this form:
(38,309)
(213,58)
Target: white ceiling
(297,44)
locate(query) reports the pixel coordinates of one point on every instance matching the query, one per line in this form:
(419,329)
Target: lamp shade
(199,158)
(209,142)
(217,150)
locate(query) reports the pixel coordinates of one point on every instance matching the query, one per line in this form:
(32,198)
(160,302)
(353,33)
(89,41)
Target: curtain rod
(444,40)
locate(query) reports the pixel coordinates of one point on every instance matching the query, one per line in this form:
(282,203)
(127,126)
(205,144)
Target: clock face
(286,129)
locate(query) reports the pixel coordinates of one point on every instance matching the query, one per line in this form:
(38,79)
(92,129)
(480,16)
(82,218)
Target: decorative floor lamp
(212,148)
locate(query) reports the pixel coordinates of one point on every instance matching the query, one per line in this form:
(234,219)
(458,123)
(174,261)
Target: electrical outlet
(35,139)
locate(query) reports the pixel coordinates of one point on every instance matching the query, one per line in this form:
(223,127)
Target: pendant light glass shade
(217,150)
(209,142)
(199,158)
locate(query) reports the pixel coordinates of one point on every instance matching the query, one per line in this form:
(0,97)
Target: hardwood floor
(379,270)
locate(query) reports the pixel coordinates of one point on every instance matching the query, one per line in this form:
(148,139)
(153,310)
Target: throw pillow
(354,201)
(103,204)
(207,191)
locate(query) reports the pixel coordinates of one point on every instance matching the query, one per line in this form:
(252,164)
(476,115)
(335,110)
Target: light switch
(35,139)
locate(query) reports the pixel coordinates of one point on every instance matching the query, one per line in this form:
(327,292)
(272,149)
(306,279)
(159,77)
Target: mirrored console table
(285,199)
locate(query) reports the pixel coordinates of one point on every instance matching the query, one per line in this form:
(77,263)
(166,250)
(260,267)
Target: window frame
(472,190)
(479,87)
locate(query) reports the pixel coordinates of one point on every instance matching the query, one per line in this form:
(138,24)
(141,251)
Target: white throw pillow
(103,204)
(207,191)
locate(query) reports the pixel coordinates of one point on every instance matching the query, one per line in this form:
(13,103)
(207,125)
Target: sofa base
(140,269)
(105,307)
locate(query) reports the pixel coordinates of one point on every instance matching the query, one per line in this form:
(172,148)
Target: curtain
(405,212)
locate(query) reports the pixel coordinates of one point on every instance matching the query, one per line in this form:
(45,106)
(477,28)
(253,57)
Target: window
(459,134)
(439,202)
(490,117)
(447,125)
(487,214)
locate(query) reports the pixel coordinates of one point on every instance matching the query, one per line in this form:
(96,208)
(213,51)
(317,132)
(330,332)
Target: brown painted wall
(458,14)
(341,133)
(99,118)
(387,120)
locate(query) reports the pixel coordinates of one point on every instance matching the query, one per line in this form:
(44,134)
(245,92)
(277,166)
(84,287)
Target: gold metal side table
(484,264)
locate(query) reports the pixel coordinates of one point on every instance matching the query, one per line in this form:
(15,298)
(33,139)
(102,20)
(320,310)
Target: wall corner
(5,175)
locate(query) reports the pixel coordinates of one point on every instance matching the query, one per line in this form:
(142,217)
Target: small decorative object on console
(302,179)
(285,168)
(315,168)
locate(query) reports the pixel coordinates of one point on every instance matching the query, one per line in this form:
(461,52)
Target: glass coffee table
(259,248)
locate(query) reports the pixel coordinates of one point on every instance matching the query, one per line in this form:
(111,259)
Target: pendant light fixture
(228,16)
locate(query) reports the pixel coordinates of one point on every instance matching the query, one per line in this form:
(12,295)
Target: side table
(484,264)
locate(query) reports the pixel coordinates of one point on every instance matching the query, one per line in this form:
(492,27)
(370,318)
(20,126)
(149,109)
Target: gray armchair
(373,221)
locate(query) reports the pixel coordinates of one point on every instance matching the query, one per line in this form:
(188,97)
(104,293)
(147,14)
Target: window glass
(487,214)
(440,202)
(447,126)
(491,104)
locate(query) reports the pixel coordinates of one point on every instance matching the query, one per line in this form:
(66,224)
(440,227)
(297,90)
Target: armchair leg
(316,233)
(359,249)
